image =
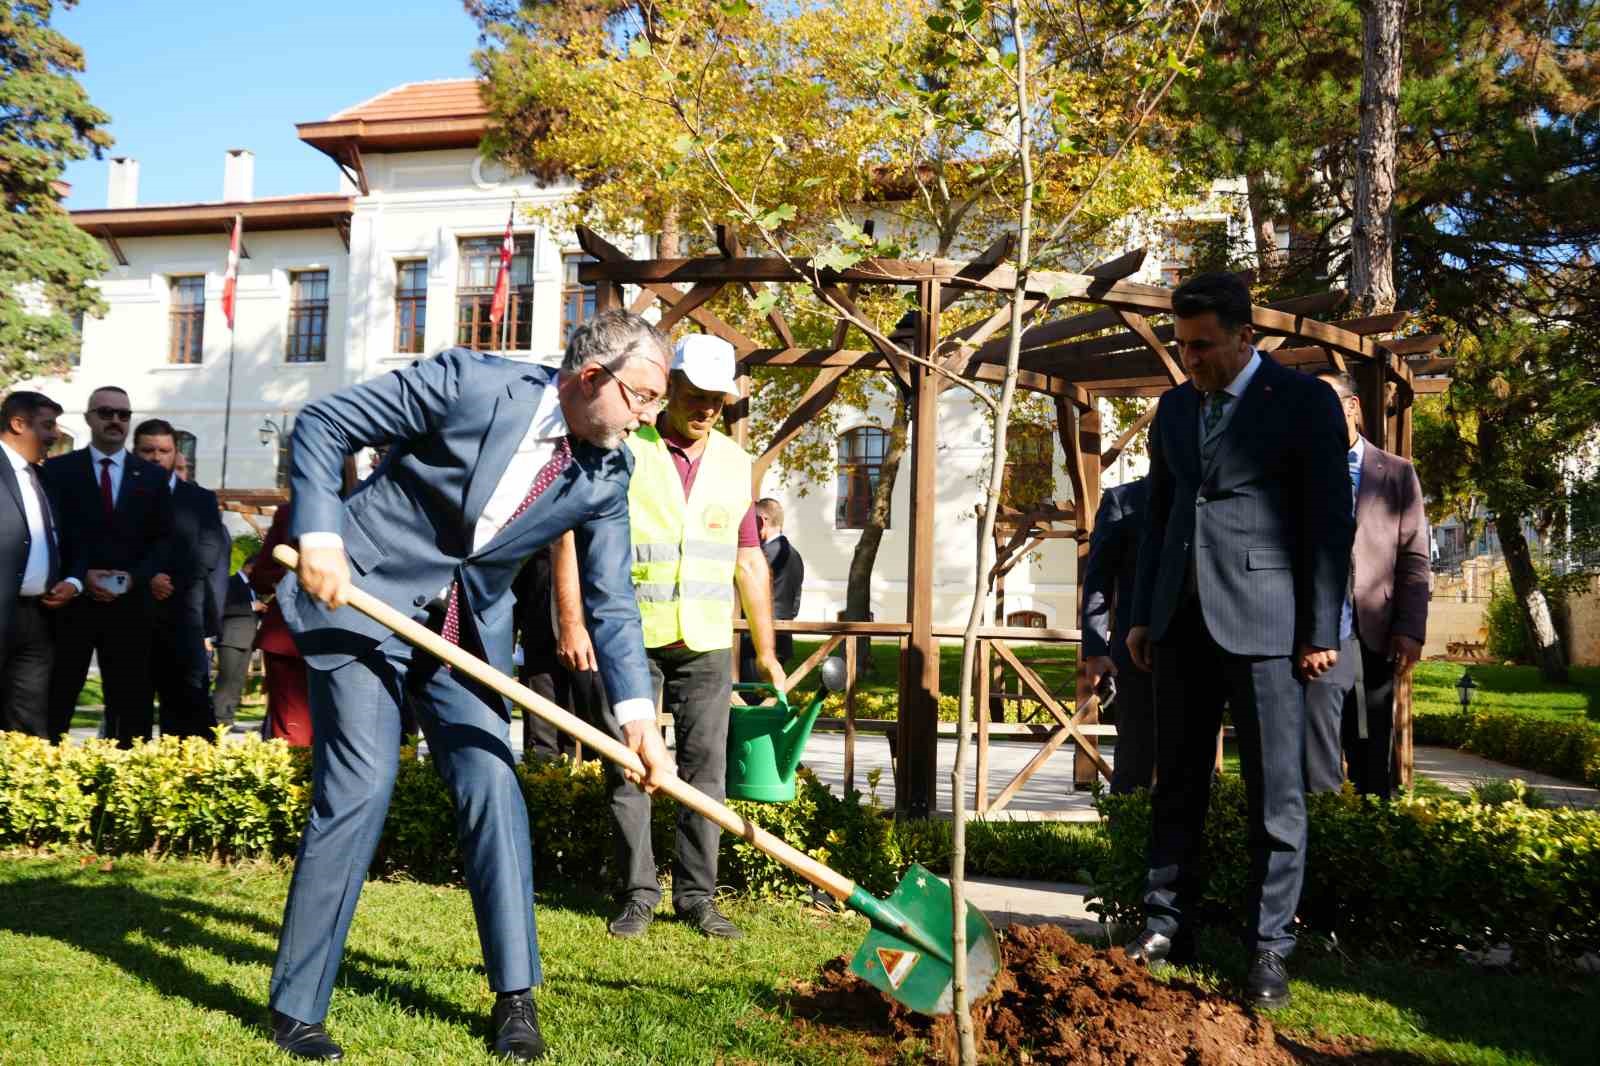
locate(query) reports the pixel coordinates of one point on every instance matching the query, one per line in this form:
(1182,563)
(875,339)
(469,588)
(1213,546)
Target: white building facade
(399,264)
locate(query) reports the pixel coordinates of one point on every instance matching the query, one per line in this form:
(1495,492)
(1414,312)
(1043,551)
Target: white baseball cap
(708,362)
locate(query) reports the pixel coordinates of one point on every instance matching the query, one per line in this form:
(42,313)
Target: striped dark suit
(1245,558)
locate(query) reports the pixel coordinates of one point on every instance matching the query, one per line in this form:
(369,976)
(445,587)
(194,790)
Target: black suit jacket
(1264,521)
(196,551)
(1112,567)
(15,541)
(788,574)
(135,539)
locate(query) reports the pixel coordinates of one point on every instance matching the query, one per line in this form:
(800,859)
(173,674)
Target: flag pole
(505,318)
(229,296)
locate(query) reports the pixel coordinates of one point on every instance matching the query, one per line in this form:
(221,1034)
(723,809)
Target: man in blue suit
(488,459)
(1242,573)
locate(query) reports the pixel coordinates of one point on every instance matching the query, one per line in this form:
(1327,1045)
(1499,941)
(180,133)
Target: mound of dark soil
(1056,1000)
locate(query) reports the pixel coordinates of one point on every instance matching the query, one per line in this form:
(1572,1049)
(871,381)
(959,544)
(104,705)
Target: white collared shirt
(117,467)
(36,574)
(1234,388)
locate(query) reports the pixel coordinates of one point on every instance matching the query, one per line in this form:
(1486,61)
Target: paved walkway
(1459,771)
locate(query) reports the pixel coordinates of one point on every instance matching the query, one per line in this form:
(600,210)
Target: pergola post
(915,785)
(1084,771)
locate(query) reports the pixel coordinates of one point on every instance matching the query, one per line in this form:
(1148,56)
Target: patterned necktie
(451,629)
(107,501)
(1218,404)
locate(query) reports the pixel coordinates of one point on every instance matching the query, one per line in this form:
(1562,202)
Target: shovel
(907,955)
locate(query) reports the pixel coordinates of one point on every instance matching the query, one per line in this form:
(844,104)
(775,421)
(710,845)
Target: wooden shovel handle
(831,882)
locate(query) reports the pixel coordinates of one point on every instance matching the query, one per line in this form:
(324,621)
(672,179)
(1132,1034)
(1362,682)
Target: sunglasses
(121,414)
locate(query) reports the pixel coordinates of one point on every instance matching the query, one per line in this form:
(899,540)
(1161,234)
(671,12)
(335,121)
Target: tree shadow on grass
(1549,1018)
(114,920)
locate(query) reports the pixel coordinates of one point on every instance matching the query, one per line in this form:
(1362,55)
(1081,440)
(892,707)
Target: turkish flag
(230,280)
(502,284)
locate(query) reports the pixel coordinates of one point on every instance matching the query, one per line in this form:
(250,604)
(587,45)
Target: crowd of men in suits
(109,554)
(1273,567)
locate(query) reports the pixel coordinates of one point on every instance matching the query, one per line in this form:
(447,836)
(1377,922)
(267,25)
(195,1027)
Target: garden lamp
(268,430)
(1464,688)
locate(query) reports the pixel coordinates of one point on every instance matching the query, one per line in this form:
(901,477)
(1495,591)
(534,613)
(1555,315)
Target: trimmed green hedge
(250,799)
(1409,875)
(1569,750)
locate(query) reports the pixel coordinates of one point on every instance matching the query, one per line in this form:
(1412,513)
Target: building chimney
(238,175)
(122,183)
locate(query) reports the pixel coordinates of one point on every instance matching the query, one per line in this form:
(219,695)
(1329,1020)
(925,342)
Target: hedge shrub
(1408,875)
(1569,750)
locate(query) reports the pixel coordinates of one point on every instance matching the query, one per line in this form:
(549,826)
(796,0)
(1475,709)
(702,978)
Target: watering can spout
(798,731)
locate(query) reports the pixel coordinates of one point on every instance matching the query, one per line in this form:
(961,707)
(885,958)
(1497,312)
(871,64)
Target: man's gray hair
(611,338)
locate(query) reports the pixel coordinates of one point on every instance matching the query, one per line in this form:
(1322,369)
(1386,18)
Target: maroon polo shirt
(689,468)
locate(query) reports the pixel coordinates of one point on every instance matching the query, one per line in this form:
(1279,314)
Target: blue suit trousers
(355,713)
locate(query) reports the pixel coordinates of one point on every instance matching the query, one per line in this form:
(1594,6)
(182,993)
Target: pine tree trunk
(1372,236)
(1548,654)
(1263,228)
(858,589)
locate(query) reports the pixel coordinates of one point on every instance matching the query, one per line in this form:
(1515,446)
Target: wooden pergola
(1118,349)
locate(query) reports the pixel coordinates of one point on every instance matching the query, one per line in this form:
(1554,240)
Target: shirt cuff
(75,583)
(634,710)
(320,540)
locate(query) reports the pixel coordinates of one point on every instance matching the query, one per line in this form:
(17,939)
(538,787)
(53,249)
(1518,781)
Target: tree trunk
(858,589)
(1263,229)
(1548,653)
(1372,236)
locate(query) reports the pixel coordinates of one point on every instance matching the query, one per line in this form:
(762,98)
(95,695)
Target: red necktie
(451,629)
(106,499)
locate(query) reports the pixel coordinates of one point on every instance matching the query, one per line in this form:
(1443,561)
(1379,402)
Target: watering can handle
(830,881)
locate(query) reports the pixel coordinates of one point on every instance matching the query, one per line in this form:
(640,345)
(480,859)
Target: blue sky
(185,81)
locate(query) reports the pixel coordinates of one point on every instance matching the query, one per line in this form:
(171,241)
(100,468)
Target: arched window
(184,440)
(1030,472)
(861,452)
(1026,620)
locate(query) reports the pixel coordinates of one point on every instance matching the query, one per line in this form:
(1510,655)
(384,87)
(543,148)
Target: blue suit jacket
(452,424)
(1264,521)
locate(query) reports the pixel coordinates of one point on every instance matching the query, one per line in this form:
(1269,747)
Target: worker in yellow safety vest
(694,541)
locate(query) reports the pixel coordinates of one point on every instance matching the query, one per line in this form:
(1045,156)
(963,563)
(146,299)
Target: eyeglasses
(121,414)
(640,402)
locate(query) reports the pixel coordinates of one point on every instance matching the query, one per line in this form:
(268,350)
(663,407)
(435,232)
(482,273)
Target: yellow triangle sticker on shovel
(896,964)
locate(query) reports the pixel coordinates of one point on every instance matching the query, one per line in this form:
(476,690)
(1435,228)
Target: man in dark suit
(788,575)
(541,669)
(187,615)
(1242,569)
(235,641)
(114,514)
(489,459)
(1107,583)
(1384,622)
(31,586)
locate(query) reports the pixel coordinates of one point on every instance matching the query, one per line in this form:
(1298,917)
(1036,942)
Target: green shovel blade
(907,955)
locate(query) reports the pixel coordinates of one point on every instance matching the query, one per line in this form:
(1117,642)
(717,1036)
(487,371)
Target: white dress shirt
(36,575)
(117,465)
(537,447)
(1234,388)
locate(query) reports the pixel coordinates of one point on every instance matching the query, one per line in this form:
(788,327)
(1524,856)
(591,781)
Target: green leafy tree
(46,262)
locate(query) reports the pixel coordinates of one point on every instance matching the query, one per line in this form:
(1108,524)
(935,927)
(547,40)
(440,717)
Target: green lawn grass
(169,962)
(1510,688)
(91,701)
(1054,663)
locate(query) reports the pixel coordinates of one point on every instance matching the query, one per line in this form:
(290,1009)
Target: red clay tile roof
(419,100)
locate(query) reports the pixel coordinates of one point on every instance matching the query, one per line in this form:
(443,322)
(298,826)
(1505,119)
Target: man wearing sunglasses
(115,516)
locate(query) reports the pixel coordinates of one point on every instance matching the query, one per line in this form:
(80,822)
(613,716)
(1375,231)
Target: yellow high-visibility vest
(685,550)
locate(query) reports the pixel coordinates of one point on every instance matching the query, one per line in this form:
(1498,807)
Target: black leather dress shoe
(1153,948)
(1267,986)
(303,1040)
(515,1025)
(712,922)
(634,920)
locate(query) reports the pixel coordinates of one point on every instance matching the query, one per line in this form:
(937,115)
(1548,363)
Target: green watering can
(765,743)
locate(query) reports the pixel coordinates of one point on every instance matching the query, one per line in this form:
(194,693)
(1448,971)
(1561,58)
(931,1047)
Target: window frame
(301,310)
(858,471)
(476,301)
(186,322)
(1041,466)
(587,294)
(410,308)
